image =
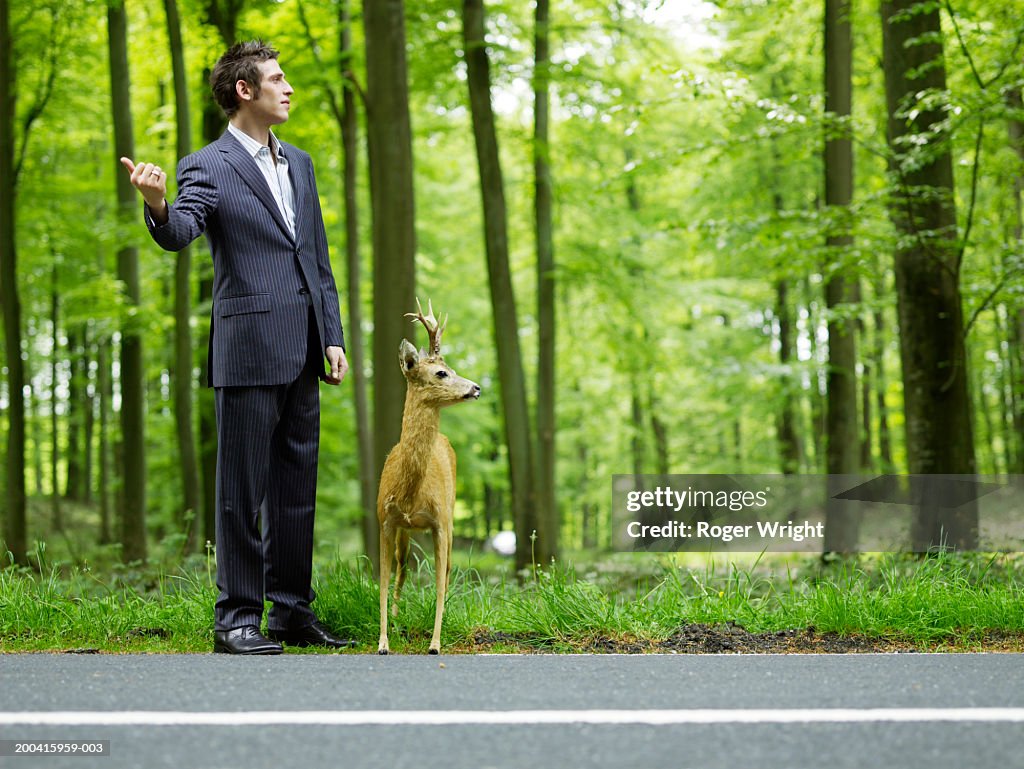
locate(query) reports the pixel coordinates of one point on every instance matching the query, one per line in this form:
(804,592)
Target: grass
(944,602)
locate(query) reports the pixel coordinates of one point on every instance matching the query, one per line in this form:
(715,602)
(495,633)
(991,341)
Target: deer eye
(441,374)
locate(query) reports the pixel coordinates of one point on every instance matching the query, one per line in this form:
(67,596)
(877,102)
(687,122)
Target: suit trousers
(268,445)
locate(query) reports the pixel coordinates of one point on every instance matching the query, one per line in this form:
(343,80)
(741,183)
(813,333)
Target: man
(275,317)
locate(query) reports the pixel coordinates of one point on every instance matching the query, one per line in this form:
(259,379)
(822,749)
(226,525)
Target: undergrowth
(932,602)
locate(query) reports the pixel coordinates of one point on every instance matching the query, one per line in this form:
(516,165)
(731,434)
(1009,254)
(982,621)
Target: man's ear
(407,355)
(243,90)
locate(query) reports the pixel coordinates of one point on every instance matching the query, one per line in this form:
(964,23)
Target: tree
(939,435)
(347,118)
(790,446)
(547,501)
(14,524)
(389,135)
(353,261)
(842,453)
(12,158)
(133,534)
(503,304)
(1015,130)
(183,352)
(223,16)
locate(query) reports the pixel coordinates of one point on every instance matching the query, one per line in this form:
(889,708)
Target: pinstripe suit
(275,310)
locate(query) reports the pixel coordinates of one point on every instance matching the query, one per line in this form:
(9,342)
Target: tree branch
(43,94)
(974,196)
(963,45)
(1003,280)
(313,48)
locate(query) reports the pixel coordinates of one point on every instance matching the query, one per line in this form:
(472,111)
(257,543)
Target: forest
(671,236)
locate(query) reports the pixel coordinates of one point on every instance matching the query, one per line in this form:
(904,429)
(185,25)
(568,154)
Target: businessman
(275,319)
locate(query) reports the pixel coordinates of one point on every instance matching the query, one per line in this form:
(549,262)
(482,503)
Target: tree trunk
(987,459)
(1015,324)
(637,444)
(353,261)
(547,500)
(89,415)
(133,534)
(56,518)
(866,425)
(32,417)
(506,327)
(1006,374)
(347,119)
(104,392)
(790,449)
(842,455)
(73,479)
(192,513)
(15,536)
(660,431)
(588,519)
(213,125)
(389,138)
(223,16)
(817,402)
(878,329)
(936,402)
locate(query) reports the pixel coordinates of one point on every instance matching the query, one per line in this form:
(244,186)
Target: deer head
(429,377)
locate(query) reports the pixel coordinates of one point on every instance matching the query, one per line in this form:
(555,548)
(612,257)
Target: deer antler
(430,323)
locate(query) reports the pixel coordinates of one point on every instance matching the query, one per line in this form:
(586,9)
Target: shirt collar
(251,145)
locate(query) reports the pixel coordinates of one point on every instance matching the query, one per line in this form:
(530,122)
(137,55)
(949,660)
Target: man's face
(273,103)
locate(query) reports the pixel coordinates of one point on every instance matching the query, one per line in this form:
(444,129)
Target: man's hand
(151,181)
(339,365)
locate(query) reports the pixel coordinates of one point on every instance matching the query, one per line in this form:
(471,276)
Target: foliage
(686,159)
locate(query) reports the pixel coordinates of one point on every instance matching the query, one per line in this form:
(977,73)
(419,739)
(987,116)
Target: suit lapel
(246,167)
(299,189)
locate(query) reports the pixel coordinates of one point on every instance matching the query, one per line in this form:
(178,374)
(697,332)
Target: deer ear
(407,355)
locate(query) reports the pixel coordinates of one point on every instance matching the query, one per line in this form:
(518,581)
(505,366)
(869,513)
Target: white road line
(507,717)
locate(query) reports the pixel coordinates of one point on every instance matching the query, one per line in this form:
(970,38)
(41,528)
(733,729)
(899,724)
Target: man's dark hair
(240,62)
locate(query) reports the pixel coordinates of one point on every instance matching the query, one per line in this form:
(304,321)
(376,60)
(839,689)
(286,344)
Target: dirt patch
(734,639)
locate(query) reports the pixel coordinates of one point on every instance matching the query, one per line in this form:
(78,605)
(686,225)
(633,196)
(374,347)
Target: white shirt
(277,177)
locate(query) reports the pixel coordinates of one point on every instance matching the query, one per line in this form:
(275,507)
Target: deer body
(417,484)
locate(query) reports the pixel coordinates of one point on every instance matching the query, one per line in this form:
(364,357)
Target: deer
(417,484)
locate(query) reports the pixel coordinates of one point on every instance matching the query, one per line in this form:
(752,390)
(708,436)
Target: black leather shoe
(244,640)
(311,635)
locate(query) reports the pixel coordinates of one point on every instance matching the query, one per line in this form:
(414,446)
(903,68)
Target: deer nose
(474,392)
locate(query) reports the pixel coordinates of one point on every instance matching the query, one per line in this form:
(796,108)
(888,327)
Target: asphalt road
(341,711)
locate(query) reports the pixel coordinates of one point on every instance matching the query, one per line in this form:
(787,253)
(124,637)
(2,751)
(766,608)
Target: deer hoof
(382,651)
(434,651)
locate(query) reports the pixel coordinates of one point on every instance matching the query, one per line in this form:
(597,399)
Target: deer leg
(448,571)
(442,547)
(401,565)
(387,554)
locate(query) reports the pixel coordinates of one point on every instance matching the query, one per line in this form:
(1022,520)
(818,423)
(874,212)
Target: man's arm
(174,227)
(334,335)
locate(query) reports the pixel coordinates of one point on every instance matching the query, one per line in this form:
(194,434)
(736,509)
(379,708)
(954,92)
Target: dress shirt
(276,174)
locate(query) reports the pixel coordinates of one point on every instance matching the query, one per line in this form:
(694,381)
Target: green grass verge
(941,602)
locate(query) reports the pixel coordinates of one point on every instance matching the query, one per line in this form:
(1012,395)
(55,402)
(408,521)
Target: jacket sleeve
(333,333)
(186,219)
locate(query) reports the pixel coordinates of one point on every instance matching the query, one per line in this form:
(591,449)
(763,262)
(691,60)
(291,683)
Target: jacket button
(303,291)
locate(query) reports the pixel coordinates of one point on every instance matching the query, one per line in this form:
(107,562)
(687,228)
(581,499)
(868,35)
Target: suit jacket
(264,278)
